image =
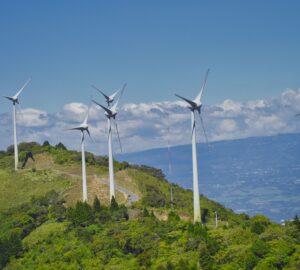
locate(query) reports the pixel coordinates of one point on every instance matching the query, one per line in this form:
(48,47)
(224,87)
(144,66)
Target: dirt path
(131,197)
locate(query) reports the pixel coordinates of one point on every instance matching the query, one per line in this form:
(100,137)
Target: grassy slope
(46,173)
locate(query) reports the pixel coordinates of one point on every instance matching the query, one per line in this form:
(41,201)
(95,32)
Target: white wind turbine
(110,99)
(111,113)
(15,100)
(83,127)
(195,105)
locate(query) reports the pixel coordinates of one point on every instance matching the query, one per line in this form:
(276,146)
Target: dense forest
(44,224)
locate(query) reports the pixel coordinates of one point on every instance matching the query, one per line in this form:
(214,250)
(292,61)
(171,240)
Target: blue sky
(157,47)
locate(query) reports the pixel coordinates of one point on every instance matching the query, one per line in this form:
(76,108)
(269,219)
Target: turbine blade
(114,107)
(110,130)
(112,97)
(203,127)
(87,115)
(194,126)
(192,103)
(21,89)
(198,98)
(106,96)
(88,132)
(82,136)
(75,128)
(9,98)
(116,125)
(123,89)
(108,111)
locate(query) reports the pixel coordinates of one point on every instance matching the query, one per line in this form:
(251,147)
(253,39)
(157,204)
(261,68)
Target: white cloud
(228,108)
(75,108)
(73,111)
(145,125)
(256,104)
(32,118)
(266,123)
(291,98)
(228,125)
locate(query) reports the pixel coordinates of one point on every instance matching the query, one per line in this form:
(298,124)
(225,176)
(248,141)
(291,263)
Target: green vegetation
(41,229)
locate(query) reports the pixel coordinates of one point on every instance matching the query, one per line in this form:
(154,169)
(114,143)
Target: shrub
(120,213)
(205,260)
(9,246)
(259,224)
(173,217)
(260,248)
(154,197)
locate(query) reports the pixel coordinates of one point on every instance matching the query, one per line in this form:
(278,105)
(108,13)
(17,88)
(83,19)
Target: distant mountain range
(253,175)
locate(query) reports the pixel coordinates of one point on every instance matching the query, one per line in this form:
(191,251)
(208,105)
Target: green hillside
(43,224)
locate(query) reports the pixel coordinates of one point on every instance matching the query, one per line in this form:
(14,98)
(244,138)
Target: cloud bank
(151,125)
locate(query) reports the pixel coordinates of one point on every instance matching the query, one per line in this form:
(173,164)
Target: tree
(113,204)
(60,146)
(96,205)
(10,149)
(81,215)
(260,248)
(46,143)
(146,212)
(204,215)
(296,222)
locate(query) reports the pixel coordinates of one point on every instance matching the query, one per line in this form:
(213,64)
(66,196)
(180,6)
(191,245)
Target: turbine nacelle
(15,98)
(110,99)
(109,113)
(196,104)
(193,105)
(81,128)
(12,99)
(84,126)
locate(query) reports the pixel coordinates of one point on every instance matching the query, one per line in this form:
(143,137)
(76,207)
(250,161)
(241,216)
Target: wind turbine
(15,100)
(83,127)
(195,105)
(110,99)
(111,113)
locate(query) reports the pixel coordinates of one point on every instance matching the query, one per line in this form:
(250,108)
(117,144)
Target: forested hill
(43,224)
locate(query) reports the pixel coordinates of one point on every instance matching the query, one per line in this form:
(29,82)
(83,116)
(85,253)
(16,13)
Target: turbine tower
(83,127)
(15,100)
(111,113)
(216,213)
(195,105)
